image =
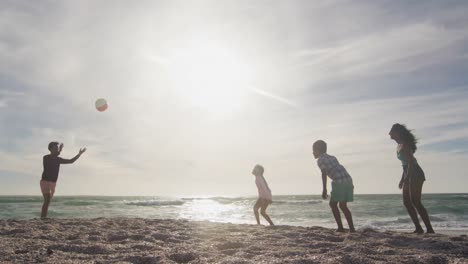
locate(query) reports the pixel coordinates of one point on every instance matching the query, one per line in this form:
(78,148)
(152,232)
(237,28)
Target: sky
(201,91)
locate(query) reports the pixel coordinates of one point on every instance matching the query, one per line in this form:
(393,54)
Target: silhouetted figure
(51,164)
(264,194)
(413,176)
(342,184)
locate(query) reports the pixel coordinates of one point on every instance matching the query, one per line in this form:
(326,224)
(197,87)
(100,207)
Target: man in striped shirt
(342,184)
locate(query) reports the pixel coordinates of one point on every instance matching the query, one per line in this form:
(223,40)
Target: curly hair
(406,136)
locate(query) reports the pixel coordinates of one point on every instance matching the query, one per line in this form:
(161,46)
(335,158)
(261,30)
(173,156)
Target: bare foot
(431,231)
(352,230)
(418,231)
(340,230)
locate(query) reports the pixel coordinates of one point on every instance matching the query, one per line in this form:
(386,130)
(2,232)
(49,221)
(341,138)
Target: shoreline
(211,196)
(444,231)
(448,231)
(139,240)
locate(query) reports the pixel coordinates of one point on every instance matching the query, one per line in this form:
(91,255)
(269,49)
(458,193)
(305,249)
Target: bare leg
(410,208)
(415,192)
(45,206)
(256,207)
(264,214)
(349,218)
(336,214)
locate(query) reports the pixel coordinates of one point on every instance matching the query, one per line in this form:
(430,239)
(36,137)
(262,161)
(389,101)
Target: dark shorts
(412,191)
(342,192)
(417,174)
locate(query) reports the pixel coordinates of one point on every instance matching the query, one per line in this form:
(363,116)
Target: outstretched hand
(82,151)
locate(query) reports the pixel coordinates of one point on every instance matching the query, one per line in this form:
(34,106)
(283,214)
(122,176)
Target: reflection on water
(206,209)
(377,211)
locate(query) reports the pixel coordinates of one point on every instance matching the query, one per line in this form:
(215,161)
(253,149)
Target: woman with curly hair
(413,176)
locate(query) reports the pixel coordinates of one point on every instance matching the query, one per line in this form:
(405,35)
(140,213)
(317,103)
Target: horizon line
(207,196)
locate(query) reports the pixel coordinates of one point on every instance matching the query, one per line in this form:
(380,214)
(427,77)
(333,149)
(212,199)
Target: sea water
(383,212)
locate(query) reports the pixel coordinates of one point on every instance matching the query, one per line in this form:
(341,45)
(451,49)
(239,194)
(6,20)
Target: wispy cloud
(325,70)
(274,97)
(399,50)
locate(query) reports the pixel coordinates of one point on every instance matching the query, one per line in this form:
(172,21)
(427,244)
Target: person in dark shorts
(413,176)
(264,194)
(50,174)
(342,184)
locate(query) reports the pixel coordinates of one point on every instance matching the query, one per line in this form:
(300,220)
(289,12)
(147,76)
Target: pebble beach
(136,240)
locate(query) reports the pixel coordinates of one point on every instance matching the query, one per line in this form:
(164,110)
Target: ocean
(383,212)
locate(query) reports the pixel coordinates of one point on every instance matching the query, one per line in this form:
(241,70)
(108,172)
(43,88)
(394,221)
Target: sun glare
(210,77)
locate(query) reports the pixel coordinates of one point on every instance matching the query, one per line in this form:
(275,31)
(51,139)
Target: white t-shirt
(264,191)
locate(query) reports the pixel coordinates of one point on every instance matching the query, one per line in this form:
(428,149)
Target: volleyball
(101,104)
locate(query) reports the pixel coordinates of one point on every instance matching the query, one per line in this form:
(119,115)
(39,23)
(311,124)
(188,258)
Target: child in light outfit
(264,194)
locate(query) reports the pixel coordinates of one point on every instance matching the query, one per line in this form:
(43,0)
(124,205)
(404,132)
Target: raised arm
(70,161)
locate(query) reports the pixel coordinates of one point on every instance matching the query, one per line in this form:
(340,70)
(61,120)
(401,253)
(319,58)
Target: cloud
(8,97)
(400,50)
(274,97)
(323,71)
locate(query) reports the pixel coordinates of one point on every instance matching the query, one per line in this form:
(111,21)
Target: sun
(211,77)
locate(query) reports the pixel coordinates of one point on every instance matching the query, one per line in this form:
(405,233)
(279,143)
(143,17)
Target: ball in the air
(101,104)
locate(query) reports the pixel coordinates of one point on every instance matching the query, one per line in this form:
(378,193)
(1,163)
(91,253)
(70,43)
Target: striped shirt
(334,170)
